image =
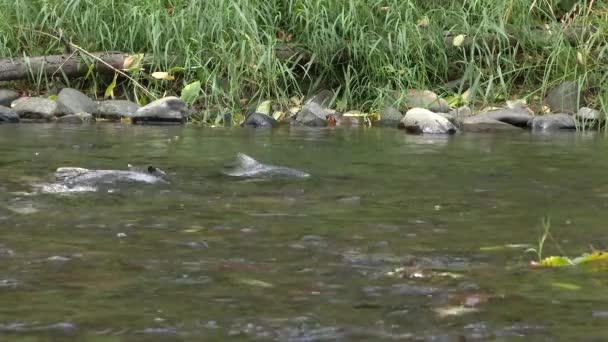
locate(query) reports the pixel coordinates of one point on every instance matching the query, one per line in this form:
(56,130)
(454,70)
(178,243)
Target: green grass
(361,48)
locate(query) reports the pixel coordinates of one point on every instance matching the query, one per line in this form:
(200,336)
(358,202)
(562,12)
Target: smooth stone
(487,125)
(390,116)
(552,122)
(166,110)
(37,108)
(565,98)
(461,112)
(116,109)
(322,98)
(7,96)
(8,115)
(78,118)
(515,117)
(420,120)
(259,120)
(71,101)
(426,99)
(312,114)
(589,114)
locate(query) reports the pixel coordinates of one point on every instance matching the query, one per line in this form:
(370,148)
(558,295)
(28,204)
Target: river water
(394,237)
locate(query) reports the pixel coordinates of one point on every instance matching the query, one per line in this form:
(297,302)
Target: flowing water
(393,237)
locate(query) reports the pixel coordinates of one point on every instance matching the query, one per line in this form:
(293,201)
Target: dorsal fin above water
(245,160)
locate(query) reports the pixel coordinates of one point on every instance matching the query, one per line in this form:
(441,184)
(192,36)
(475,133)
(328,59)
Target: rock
(589,114)
(515,117)
(323,98)
(71,101)
(37,108)
(426,99)
(420,120)
(350,118)
(390,116)
(168,109)
(487,125)
(116,109)
(461,112)
(552,122)
(565,98)
(312,114)
(453,119)
(7,96)
(8,115)
(259,120)
(78,118)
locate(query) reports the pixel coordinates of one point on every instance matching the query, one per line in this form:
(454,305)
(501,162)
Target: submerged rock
(565,98)
(552,122)
(78,118)
(249,167)
(8,115)
(419,120)
(259,120)
(7,96)
(169,109)
(116,109)
(426,99)
(35,108)
(71,101)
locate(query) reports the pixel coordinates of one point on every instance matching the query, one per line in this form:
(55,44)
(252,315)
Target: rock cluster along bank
(426,112)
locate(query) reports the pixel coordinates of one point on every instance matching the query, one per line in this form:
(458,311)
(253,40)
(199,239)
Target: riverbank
(425,112)
(370,55)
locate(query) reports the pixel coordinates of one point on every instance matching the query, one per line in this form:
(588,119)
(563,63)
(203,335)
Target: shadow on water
(393,237)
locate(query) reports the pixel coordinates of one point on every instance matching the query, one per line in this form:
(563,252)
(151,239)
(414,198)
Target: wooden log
(71,65)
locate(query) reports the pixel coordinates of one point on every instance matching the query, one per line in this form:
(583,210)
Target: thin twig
(78,48)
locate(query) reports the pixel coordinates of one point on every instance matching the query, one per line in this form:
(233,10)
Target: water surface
(209,257)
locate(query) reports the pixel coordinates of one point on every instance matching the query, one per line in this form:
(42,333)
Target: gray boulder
(420,120)
(116,109)
(78,118)
(71,101)
(323,98)
(426,99)
(390,116)
(487,125)
(552,122)
(259,120)
(7,96)
(8,115)
(35,108)
(517,117)
(565,98)
(312,114)
(169,109)
(588,114)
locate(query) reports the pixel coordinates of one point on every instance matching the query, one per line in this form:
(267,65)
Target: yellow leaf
(580,58)
(161,75)
(566,286)
(133,61)
(458,40)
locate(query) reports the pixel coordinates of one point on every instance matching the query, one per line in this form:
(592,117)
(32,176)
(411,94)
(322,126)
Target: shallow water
(208,257)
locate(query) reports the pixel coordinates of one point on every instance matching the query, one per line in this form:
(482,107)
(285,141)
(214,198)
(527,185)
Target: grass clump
(243,50)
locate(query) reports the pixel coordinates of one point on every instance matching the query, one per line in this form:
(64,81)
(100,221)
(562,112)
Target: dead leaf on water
(454,311)
(255,282)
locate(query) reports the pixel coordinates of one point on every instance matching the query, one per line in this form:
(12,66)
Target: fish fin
(245,160)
